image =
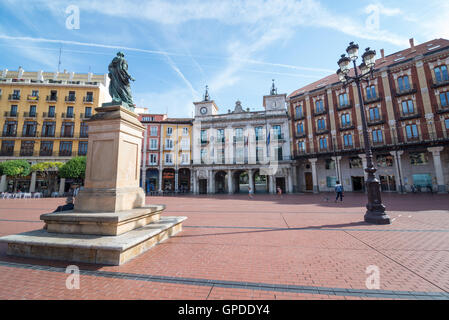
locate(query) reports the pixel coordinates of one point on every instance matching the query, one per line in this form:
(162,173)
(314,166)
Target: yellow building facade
(43,117)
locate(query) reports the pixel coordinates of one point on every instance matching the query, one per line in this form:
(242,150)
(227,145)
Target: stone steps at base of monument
(103,224)
(102,250)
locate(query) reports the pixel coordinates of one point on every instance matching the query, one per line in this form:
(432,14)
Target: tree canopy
(46,166)
(15,168)
(75,168)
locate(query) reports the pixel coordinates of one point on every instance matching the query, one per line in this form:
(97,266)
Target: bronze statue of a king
(119,87)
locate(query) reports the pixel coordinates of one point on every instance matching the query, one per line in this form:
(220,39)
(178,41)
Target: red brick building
(407,110)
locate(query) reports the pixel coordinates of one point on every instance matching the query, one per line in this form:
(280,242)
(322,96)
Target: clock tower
(207,107)
(275,101)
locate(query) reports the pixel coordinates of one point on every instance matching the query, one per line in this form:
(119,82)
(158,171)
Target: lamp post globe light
(375,209)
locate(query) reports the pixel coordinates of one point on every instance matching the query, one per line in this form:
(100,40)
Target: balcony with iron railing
(376,99)
(30,134)
(88,100)
(65,115)
(32,98)
(375,121)
(38,153)
(47,115)
(300,135)
(9,134)
(30,114)
(439,83)
(85,116)
(345,106)
(442,108)
(9,114)
(322,131)
(300,116)
(70,99)
(14,97)
(405,91)
(53,98)
(319,112)
(409,116)
(347,126)
(66,135)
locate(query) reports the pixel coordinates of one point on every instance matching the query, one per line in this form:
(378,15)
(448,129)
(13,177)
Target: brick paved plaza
(297,247)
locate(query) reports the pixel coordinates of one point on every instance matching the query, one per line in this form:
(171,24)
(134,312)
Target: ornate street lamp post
(376,210)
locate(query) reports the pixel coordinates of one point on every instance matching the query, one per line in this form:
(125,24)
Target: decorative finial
(206,94)
(274,90)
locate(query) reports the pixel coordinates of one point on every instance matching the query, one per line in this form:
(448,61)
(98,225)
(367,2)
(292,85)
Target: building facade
(407,111)
(166,155)
(44,117)
(241,149)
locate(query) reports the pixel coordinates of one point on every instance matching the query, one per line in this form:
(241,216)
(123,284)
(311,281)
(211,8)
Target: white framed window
(168,158)
(153,144)
(185,131)
(185,158)
(153,159)
(153,131)
(168,144)
(169,131)
(185,144)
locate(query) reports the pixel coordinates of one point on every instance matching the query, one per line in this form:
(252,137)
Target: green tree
(15,169)
(74,169)
(49,172)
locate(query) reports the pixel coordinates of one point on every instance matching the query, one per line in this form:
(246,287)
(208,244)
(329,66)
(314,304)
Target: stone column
(160,177)
(3,184)
(33,182)
(295,179)
(211,182)
(314,175)
(398,166)
(195,182)
(61,186)
(338,168)
(230,182)
(251,145)
(289,181)
(251,179)
(436,152)
(272,184)
(176,180)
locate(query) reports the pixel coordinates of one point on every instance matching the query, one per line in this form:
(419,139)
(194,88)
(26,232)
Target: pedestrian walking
(250,192)
(339,190)
(279,192)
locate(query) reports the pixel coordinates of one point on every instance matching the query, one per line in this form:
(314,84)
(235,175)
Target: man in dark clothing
(339,190)
(67,207)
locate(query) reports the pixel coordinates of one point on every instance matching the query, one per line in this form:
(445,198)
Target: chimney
(412,44)
(382,53)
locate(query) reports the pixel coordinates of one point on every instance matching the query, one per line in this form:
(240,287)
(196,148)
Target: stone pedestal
(110,223)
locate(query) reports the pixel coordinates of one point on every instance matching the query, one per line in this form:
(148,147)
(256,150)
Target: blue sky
(175,48)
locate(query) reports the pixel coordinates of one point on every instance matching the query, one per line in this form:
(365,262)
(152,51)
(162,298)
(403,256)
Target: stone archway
(241,181)
(184,180)
(261,184)
(221,183)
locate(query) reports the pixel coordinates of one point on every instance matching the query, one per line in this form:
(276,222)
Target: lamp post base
(380,218)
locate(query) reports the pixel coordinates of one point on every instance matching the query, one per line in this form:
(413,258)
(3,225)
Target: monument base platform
(103,250)
(99,223)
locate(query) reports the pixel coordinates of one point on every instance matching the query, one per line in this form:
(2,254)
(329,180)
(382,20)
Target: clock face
(203,110)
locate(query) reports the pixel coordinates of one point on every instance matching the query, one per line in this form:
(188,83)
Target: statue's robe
(119,87)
